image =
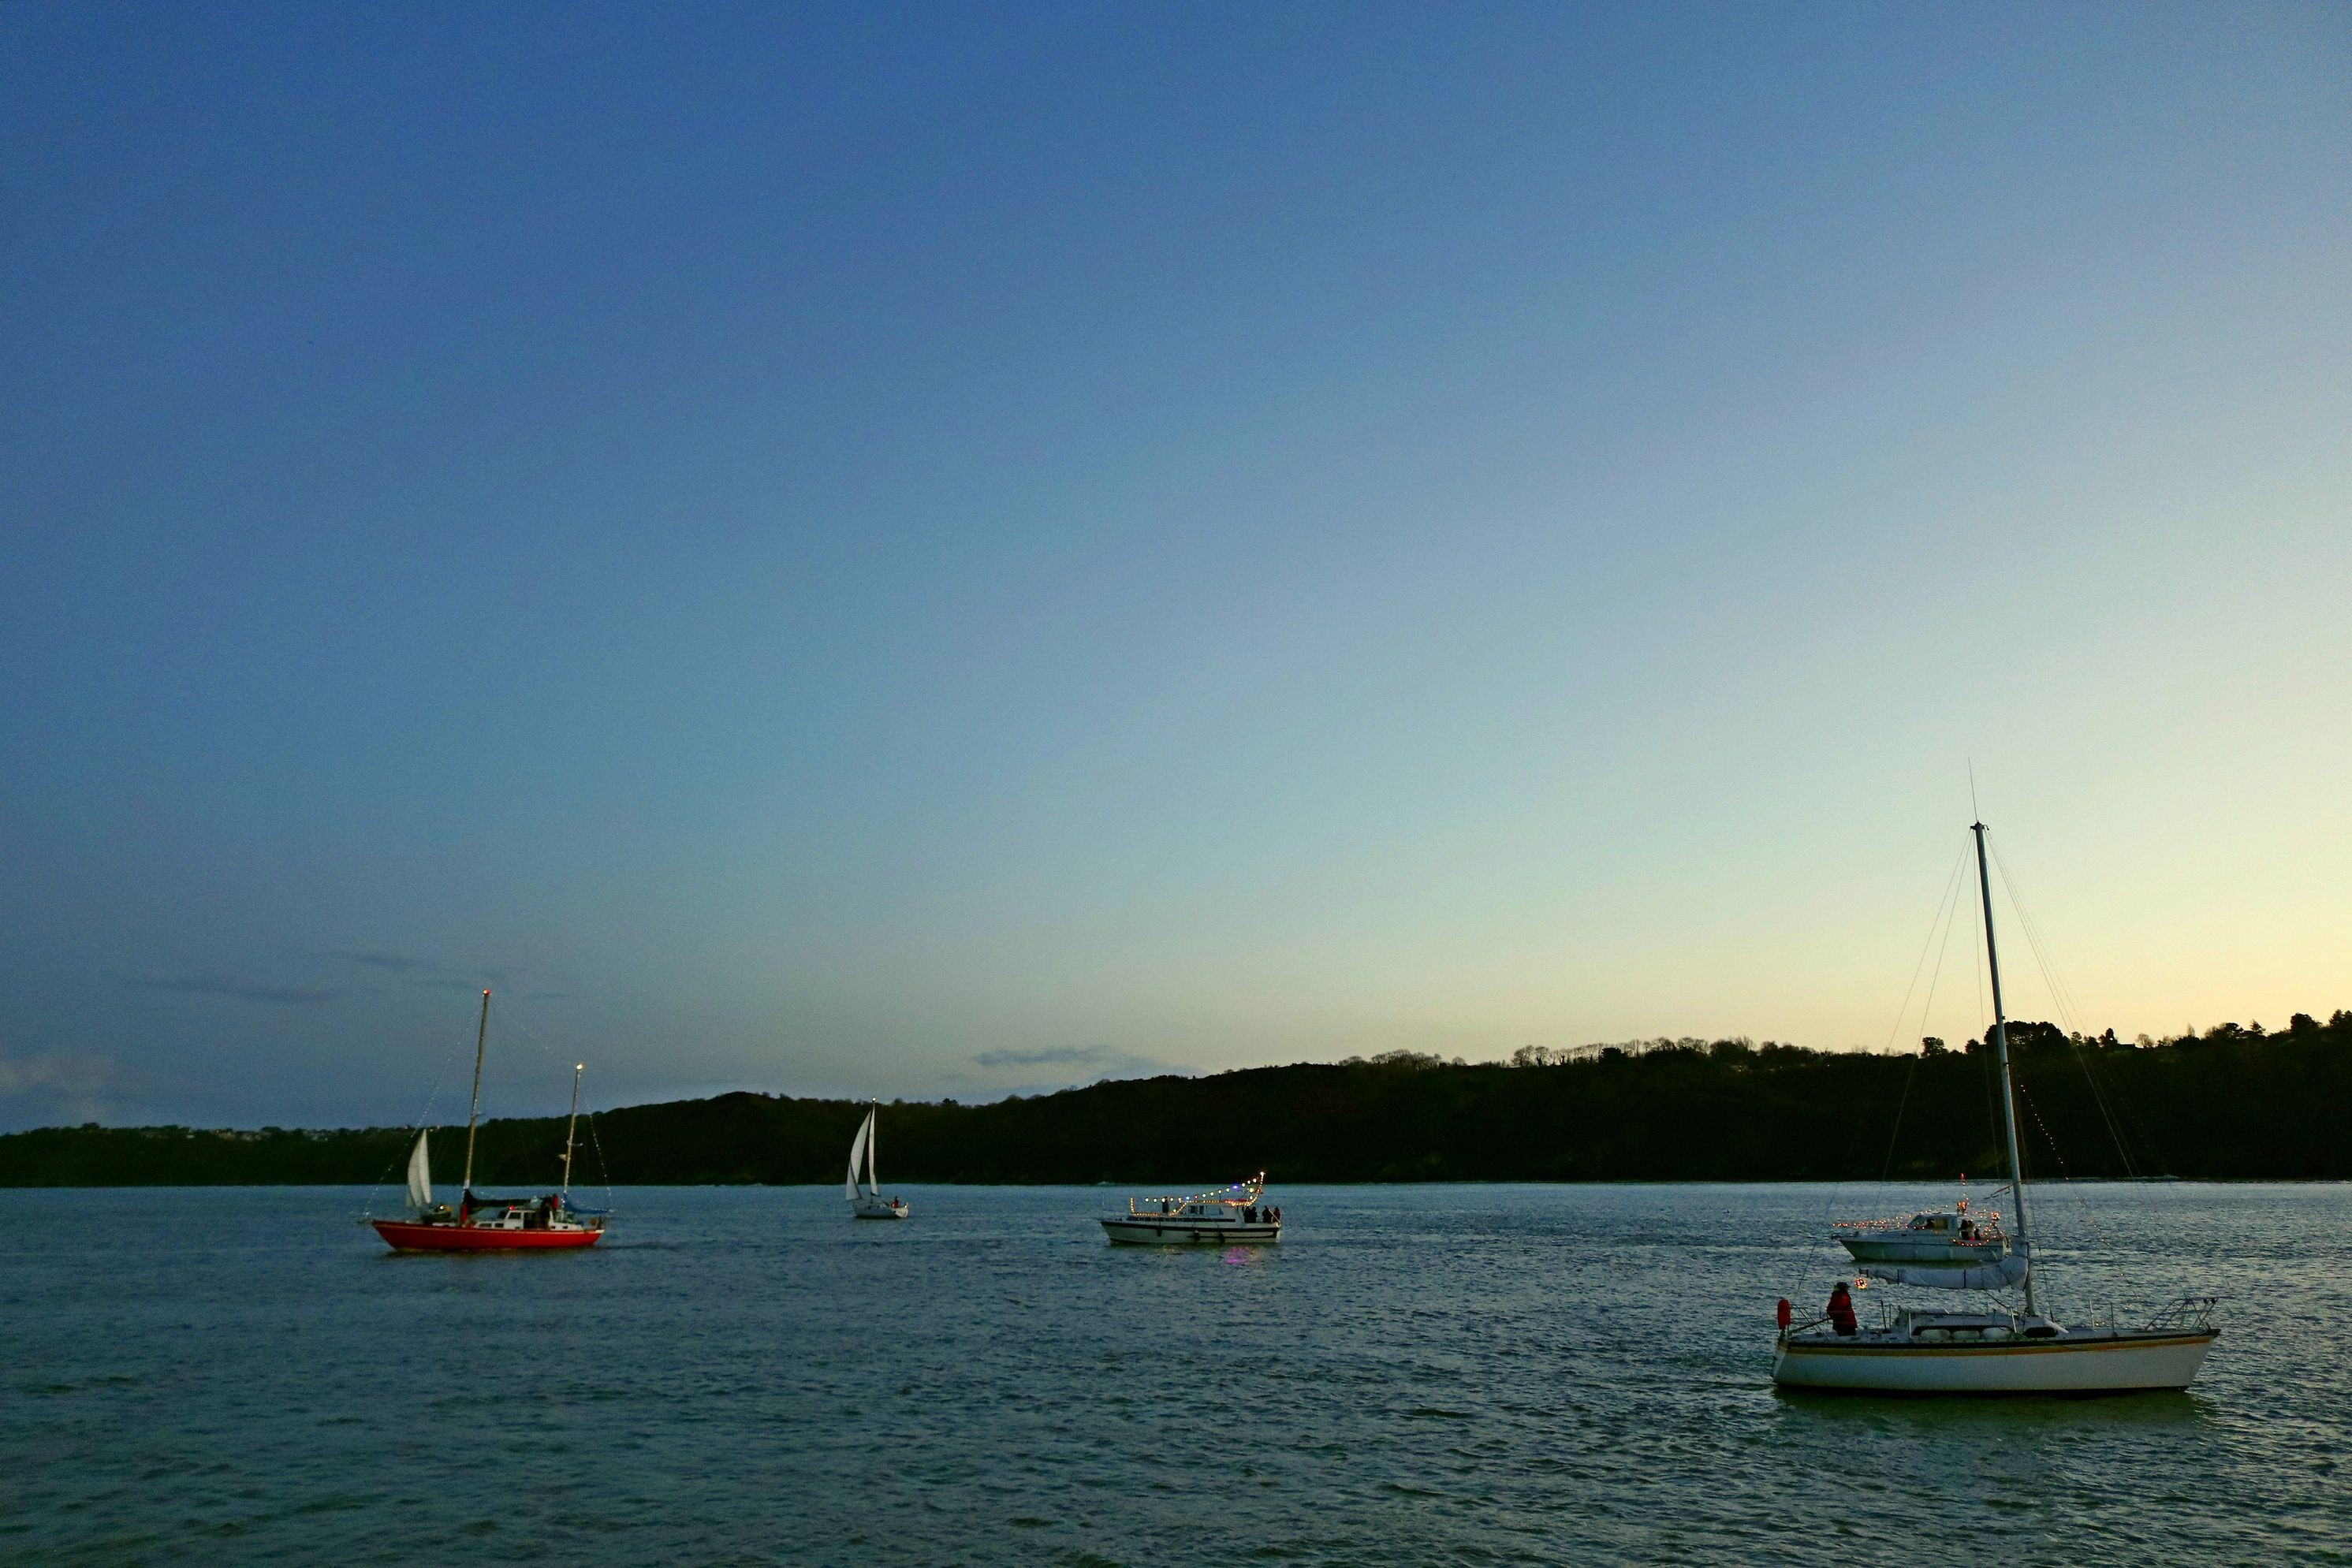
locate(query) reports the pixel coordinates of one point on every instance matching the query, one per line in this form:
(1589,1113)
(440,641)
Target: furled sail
(420,1174)
(1996,1276)
(856,1153)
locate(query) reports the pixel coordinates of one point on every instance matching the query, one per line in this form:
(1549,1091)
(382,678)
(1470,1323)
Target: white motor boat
(1229,1217)
(1952,1237)
(866,1199)
(1996,1349)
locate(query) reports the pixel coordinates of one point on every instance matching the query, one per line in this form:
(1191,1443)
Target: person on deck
(1841,1311)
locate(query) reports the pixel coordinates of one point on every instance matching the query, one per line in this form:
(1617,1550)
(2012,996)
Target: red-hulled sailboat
(481,1224)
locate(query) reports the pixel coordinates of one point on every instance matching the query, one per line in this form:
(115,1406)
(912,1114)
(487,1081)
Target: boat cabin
(1215,1211)
(515,1213)
(1958,1225)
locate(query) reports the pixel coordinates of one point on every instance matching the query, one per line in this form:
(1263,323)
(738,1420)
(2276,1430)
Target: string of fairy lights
(1250,1190)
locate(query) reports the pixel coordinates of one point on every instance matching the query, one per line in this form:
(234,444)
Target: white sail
(420,1174)
(856,1153)
(2001,1276)
(873,1136)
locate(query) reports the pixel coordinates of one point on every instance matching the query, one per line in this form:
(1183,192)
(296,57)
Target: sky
(947,550)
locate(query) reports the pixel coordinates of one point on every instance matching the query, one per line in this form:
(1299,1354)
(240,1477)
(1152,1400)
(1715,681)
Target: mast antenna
(572,1127)
(475,1115)
(2000,1048)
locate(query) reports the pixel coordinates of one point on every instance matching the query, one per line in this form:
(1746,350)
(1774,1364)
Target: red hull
(407,1237)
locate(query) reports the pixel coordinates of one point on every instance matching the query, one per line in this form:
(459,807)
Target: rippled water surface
(1417,1374)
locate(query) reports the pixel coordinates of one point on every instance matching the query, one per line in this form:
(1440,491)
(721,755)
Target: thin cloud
(1070,1055)
(395,963)
(428,971)
(1103,1062)
(242,990)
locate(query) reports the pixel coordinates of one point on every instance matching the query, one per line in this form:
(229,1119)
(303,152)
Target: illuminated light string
(1250,1191)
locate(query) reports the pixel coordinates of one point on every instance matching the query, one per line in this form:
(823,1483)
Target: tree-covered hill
(2234,1104)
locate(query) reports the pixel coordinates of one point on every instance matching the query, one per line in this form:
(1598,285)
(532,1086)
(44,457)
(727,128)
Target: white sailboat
(1995,1350)
(866,1199)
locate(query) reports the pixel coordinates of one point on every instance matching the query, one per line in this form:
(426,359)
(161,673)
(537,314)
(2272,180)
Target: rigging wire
(423,1123)
(1943,908)
(2123,1109)
(550,1053)
(1944,918)
(2065,1176)
(1951,879)
(2061,995)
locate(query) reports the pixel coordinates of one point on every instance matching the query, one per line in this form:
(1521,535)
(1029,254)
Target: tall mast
(572,1127)
(475,1115)
(2000,1048)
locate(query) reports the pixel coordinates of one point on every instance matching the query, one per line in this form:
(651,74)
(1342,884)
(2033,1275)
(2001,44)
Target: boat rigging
(1995,1350)
(479,1224)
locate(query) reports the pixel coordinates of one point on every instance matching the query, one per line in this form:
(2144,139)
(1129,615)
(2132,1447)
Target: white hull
(1930,1253)
(2089,1363)
(866,1209)
(1177,1231)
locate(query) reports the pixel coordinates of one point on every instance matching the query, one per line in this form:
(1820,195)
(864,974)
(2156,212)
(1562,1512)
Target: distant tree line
(2233,1103)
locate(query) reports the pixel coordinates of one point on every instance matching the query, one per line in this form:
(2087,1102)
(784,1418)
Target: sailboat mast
(573,1125)
(2000,1050)
(873,1136)
(475,1115)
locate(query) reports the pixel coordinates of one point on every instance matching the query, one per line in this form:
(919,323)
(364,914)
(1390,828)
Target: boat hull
(879,1211)
(1172,1231)
(1932,1253)
(2121,1363)
(407,1237)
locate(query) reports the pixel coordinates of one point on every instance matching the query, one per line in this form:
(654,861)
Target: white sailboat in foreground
(866,1199)
(1995,1350)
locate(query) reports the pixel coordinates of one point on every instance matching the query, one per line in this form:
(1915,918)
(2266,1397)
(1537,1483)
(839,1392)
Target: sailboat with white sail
(481,1224)
(1994,1349)
(864,1194)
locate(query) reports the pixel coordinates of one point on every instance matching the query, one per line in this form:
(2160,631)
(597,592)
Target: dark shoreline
(2231,1105)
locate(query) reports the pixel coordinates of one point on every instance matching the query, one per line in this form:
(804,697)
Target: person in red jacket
(1842,1311)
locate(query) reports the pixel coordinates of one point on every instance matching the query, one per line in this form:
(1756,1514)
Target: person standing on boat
(1841,1311)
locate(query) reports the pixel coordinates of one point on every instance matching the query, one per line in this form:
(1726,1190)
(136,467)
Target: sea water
(1415,1374)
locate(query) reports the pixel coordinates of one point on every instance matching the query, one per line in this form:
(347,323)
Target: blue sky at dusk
(918,550)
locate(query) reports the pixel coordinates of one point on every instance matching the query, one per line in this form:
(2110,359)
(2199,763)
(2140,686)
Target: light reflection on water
(1499,1374)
